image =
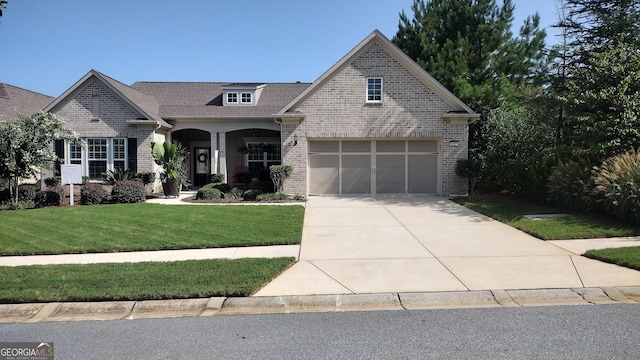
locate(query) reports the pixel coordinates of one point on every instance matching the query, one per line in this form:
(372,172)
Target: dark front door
(202,166)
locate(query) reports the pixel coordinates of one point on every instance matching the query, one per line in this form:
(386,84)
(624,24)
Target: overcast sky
(46,45)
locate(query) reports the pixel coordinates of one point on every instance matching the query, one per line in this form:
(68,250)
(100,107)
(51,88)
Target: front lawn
(624,256)
(136,227)
(138,281)
(511,211)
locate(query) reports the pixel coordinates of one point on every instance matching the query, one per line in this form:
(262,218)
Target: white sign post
(71,174)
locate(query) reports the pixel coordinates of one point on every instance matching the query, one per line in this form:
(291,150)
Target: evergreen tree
(468,46)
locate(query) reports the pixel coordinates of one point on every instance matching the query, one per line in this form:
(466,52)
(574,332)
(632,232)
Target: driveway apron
(418,244)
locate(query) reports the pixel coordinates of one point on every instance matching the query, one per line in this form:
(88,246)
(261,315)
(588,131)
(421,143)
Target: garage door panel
(423,174)
(356,174)
(323,174)
(390,174)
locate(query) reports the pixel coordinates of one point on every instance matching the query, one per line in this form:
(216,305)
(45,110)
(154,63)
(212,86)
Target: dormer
(241,94)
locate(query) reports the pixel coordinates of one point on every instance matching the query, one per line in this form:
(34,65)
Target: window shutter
(58,148)
(132,156)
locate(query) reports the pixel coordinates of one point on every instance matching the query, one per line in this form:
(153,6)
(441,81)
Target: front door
(202,166)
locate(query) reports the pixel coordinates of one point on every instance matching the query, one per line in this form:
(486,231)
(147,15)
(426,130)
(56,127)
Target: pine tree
(468,46)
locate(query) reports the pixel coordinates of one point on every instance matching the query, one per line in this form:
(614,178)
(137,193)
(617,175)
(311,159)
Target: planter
(171,187)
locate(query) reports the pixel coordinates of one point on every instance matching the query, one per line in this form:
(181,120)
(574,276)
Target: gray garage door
(373,167)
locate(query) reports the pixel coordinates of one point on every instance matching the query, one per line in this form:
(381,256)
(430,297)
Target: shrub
(272,196)
(470,170)
(208,193)
(53,181)
(223,187)
(571,184)
(279,173)
(243,177)
(235,193)
(617,183)
(251,194)
(27,192)
(146,177)
(52,196)
(127,191)
(113,176)
(93,194)
(217,178)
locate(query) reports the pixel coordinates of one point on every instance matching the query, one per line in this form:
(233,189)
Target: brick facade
(337,109)
(112,121)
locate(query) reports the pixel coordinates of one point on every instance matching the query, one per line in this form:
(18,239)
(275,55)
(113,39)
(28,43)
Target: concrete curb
(115,310)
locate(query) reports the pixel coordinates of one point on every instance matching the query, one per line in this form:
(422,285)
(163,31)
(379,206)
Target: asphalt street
(559,332)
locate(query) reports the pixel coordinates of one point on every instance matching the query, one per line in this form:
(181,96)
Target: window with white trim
(374,89)
(232,98)
(245,97)
(99,156)
(262,155)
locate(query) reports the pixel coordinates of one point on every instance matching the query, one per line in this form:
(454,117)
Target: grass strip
(136,227)
(624,256)
(574,226)
(138,281)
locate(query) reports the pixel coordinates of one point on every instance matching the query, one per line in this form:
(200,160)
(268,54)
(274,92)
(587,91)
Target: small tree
(25,146)
(279,173)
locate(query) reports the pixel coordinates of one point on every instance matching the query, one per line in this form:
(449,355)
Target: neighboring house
(374,123)
(14,100)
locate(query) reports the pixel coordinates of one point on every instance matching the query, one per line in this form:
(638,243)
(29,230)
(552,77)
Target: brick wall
(410,109)
(114,113)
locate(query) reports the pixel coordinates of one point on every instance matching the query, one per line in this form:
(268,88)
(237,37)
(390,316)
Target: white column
(214,152)
(222,160)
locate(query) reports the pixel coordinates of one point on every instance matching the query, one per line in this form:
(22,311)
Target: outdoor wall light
(295,140)
(454,143)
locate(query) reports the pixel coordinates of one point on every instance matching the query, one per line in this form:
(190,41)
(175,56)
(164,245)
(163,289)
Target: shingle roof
(14,99)
(200,99)
(147,103)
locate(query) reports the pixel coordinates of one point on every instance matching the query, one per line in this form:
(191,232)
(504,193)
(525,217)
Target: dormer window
(242,94)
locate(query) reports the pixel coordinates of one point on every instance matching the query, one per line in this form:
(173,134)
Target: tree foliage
(25,146)
(3,5)
(468,46)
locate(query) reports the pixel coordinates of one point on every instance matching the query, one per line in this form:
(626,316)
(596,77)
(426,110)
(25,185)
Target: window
(232,98)
(99,156)
(262,155)
(374,89)
(246,98)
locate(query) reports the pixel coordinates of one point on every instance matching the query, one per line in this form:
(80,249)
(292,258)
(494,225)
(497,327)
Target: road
(560,332)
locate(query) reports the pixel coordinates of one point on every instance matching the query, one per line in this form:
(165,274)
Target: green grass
(138,281)
(135,227)
(624,256)
(575,226)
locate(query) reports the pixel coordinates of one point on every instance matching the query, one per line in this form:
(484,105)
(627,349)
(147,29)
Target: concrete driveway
(425,244)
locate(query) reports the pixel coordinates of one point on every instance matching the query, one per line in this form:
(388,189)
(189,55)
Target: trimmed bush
(217,178)
(208,194)
(272,196)
(279,173)
(53,181)
(93,194)
(27,192)
(251,194)
(127,191)
(235,193)
(617,184)
(52,196)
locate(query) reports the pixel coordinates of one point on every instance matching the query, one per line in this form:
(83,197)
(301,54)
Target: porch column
(214,153)
(222,159)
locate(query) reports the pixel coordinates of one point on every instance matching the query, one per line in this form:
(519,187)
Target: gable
(79,110)
(401,58)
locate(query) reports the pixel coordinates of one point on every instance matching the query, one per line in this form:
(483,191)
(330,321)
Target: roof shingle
(14,99)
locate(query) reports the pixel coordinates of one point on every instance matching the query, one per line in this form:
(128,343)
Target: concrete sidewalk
(353,245)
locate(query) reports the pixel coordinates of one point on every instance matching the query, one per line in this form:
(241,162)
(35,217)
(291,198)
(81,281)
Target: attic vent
(95,93)
(375,44)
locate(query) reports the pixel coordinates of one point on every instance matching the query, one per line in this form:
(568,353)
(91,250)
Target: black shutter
(58,148)
(132,148)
